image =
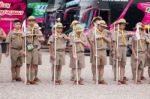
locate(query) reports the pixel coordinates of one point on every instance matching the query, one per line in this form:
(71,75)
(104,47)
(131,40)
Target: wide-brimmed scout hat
(59,25)
(121,21)
(78,28)
(96,18)
(102,23)
(140,25)
(74,23)
(31,18)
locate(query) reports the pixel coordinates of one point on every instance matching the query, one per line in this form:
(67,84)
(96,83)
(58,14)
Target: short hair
(17,21)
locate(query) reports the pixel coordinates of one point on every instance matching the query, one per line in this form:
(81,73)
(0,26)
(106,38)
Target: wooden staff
(75,53)
(137,46)
(55,45)
(117,61)
(95,34)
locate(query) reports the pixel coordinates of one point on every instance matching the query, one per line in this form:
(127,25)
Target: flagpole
(96,54)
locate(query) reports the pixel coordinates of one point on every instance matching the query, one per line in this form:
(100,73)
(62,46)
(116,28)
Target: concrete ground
(46,90)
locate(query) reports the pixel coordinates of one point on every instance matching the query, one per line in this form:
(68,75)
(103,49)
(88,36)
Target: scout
(17,50)
(78,42)
(112,59)
(93,67)
(58,46)
(41,40)
(148,57)
(140,50)
(120,53)
(102,40)
(73,24)
(33,37)
(2,37)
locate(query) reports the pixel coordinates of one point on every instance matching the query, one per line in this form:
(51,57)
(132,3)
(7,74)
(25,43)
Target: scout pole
(96,53)
(75,52)
(137,37)
(25,31)
(117,64)
(55,38)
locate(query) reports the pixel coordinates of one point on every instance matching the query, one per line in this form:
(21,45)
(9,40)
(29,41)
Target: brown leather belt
(80,51)
(60,50)
(101,49)
(16,48)
(122,46)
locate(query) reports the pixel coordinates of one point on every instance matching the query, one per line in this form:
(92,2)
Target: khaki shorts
(16,57)
(0,57)
(147,61)
(101,58)
(39,58)
(60,58)
(91,56)
(71,58)
(122,54)
(80,61)
(111,60)
(141,63)
(33,57)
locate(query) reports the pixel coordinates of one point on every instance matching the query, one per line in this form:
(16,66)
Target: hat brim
(122,23)
(79,30)
(59,27)
(31,19)
(96,18)
(103,25)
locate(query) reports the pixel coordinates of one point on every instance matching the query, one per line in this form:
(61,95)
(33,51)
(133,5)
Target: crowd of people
(25,47)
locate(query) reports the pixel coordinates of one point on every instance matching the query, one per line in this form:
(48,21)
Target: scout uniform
(33,45)
(122,47)
(1,40)
(142,46)
(147,63)
(79,52)
(73,24)
(60,51)
(16,41)
(102,45)
(91,47)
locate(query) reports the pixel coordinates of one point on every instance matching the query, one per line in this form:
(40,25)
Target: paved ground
(46,90)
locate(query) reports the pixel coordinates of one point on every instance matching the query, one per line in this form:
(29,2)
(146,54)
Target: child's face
(59,30)
(31,22)
(141,30)
(122,26)
(17,25)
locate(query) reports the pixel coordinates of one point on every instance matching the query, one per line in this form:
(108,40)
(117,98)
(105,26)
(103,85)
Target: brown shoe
(59,82)
(122,82)
(102,82)
(143,78)
(37,79)
(33,83)
(81,82)
(18,79)
(139,82)
(125,78)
